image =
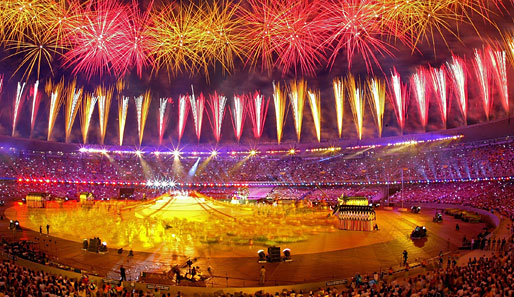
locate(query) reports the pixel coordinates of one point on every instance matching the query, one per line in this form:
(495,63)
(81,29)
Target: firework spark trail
(238,115)
(258,108)
(123,104)
(163,117)
(377,89)
(1,83)
(398,98)
(183,111)
(298,91)
(55,92)
(217,105)
(458,74)
(197,107)
(18,104)
(72,104)
(418,83)
(499,67)
(279,99)
(36,100)
(356,99)
(440,89)
(483,74)
(338,85)
(315,104)
(142,107)
(86,112)
(104,96)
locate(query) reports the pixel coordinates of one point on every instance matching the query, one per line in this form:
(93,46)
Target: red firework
(238,112)
(107,38)
(258,108)
(183,111)
(285,34)
(356,27)
(217,105)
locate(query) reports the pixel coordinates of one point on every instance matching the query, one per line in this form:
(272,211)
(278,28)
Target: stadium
(256,148)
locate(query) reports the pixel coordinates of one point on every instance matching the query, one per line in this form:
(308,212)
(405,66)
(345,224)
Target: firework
(258,108)
(279,99)
(356,29)
(398,98)
(177,39)
(377,90)
(458,74)
(498,61)
(142,107)
(72,104)
(483,74)
(238,115)
(86,112)
(104,42)
(18,103)
(22,17)
(163,117)
(123,104)
(104,96)
(440,91)
(418,83)
(197,107)
(36,99)
(1,82)
(315,104)
(356,99)
(286,34)
(298,90)
(217,106)
(37,51)
(221,38)
(338,85)
(183,110)
(55,92)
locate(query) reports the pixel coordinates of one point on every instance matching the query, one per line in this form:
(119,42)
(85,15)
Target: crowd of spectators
(493,158)
(491,275)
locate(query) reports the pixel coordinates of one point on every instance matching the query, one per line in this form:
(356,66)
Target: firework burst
(356,29)
(315,104)
(285,34)
(297,93)
(377,90)
(217,105)
(258,108)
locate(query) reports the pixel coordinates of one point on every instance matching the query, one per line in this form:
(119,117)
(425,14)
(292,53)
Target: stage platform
(322,256)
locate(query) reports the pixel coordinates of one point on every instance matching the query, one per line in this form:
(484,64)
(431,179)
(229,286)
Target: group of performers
(355,214)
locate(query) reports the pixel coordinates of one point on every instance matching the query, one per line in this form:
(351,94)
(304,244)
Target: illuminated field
(179,221)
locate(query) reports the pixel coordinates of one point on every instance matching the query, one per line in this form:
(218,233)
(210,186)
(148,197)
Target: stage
(319,250)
